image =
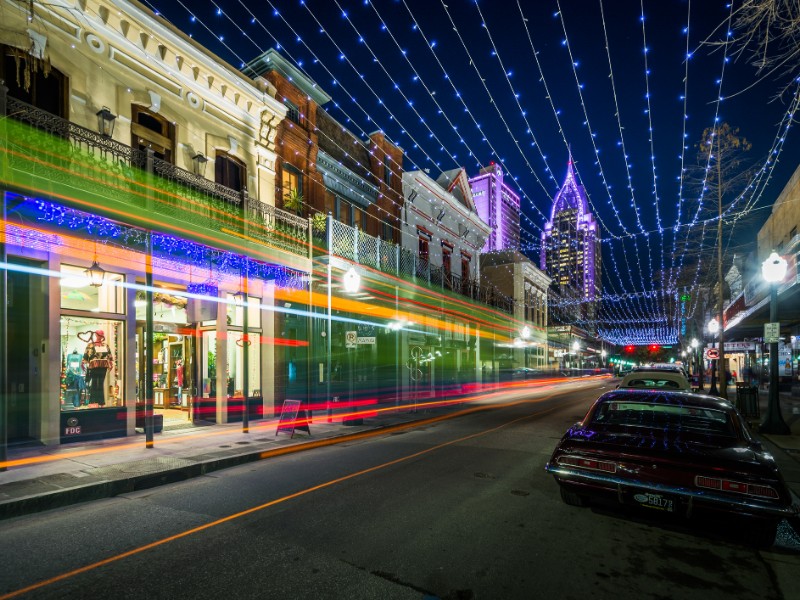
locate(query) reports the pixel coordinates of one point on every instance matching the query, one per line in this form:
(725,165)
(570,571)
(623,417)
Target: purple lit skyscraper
(498,206)
(570,252)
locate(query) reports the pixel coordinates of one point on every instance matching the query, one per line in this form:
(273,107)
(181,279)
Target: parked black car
(675,452)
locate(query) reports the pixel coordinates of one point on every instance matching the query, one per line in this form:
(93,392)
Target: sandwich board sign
(292,419)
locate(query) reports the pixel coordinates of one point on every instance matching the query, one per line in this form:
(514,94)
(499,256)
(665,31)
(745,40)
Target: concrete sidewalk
(43,478)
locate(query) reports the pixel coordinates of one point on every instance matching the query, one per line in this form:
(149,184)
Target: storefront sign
(736,346)
(370,340)
(772,333)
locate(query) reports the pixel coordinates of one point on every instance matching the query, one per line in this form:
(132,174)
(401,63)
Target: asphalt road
(457,509)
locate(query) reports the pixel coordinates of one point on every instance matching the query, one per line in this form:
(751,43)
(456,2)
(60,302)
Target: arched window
(151,130)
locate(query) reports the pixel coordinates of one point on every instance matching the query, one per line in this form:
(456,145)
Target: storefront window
(92,357)
(236,312)
(236,364)
(167,308)
(208,363)
(78,294)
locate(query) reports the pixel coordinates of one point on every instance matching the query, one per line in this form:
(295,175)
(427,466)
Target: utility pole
(723,372)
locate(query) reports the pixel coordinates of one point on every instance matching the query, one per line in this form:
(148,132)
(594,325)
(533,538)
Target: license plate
(656,501)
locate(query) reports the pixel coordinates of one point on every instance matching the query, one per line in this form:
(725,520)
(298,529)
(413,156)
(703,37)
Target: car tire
(761,534)
(572,498)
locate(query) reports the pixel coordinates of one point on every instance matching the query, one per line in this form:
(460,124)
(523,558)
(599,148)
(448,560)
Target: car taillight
(588,463)
(738,487)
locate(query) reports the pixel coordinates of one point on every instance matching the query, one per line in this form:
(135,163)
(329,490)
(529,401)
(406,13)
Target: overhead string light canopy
(651,303)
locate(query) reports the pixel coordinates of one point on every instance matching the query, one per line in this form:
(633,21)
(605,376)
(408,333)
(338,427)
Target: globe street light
(576,349)
(713,329)
(774,270)
(697,364)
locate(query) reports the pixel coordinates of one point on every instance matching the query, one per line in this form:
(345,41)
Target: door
(26,305)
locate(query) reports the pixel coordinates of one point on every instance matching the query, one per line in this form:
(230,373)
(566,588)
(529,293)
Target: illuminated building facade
(122,162)
(570,255)
(498,206)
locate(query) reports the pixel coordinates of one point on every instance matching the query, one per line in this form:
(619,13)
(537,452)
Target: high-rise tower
(570,254)
(498,206)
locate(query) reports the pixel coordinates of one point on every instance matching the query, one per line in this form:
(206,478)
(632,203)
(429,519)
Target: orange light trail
(272,423)
(301,493)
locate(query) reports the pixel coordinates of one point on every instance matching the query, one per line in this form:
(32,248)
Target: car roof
(656,396)
(662,375)
(659,367)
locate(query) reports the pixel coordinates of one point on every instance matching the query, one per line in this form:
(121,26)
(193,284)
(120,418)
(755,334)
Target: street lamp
(774,270)
(603,355)
(576,349)
(697,364)
(352,283)
(525,334)
(713,329)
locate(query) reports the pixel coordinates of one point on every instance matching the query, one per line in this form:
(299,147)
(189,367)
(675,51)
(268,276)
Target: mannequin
(179,379)
(75,381)
(98,361)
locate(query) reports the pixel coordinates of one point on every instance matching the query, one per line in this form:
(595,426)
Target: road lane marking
(200,528)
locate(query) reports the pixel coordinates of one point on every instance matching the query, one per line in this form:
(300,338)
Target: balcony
(352,244)
(55,156)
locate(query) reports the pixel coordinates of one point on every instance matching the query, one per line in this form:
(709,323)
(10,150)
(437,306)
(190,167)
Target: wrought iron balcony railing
(107,164)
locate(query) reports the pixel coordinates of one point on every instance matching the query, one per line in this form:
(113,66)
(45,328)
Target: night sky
(457,83)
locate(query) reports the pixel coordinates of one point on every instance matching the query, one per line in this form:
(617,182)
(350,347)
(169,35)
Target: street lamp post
(603,355)
(351,282)
(576,347)
(698,366)
(713,329)
(773,269)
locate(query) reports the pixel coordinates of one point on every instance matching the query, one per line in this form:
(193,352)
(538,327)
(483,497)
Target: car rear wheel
(572,498)
(760,534)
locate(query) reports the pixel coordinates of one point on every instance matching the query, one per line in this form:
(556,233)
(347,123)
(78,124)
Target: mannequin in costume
(98,361)
(75,380)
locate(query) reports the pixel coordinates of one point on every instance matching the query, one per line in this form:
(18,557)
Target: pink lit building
(498,205)
(570,253)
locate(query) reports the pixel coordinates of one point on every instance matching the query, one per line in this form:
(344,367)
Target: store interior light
(74,282)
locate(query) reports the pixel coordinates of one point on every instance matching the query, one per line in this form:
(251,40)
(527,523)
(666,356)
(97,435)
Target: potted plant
(293,201)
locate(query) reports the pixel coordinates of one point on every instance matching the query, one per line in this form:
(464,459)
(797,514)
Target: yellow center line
(306,491)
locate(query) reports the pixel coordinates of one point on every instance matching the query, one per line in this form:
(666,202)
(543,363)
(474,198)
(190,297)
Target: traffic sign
(350,339)
(772,333)
(711,354)
(685,297)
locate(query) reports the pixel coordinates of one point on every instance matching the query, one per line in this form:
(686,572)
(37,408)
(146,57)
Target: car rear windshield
(669,384)
(672,417)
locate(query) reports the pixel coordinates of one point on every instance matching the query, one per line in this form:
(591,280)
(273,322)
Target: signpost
(772,333)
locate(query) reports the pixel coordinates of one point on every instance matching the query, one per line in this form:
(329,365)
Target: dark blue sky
(456,83)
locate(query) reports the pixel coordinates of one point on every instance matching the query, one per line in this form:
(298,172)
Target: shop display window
(167,308)
(236,352)
(208,363)
(78,294)
(236,312)
(92,357)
